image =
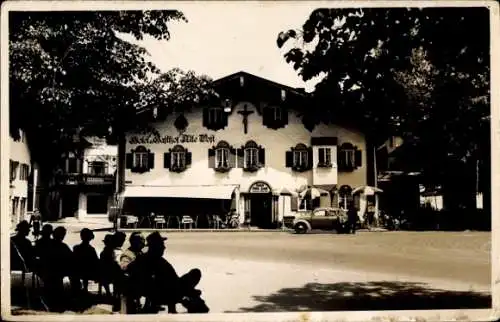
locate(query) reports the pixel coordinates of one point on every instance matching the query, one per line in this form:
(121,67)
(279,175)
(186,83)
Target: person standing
(36,222)
(352,217)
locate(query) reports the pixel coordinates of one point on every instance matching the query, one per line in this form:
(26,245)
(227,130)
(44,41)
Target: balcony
(85,179)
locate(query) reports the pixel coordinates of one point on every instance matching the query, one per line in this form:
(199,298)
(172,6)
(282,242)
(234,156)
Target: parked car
(324,218)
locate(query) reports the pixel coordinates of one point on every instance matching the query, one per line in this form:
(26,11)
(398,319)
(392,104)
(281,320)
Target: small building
(248,153)
(23,192)
(84,184)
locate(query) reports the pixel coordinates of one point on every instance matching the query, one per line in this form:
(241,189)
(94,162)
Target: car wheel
(300,228)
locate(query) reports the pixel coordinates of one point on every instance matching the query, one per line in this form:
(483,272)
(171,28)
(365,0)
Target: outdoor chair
(159,220)
(187,221)
(132,221)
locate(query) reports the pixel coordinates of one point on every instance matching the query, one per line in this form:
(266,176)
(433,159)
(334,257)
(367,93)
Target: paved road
(264,271)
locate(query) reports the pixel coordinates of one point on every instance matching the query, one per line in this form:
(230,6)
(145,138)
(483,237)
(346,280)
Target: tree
(70,72)
(419,73)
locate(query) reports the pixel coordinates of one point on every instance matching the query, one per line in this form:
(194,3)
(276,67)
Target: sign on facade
(170,139)
(260,187)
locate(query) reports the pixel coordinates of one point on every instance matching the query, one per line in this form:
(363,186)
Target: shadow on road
(369,296)
(28,300)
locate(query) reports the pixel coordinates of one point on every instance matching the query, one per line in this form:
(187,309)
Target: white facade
(275,173)
(20,169)
(87,192)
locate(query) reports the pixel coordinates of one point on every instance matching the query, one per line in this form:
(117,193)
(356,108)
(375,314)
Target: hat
(86,233)
(155,238)
(23,225)
(107,239)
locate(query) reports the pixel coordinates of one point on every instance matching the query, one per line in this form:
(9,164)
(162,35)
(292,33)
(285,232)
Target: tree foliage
(72,72)
(422,73)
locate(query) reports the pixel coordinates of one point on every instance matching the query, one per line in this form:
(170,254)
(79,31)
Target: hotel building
(250,154)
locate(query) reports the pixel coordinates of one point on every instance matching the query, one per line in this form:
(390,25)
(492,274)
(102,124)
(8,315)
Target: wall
(18,151)
(276,143)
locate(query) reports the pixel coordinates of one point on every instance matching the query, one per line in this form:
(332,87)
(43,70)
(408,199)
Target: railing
(84,178)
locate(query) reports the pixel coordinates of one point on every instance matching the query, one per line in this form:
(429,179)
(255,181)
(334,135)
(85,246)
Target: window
(13,169)
(140,158)
(24,172)
(320,213)
(345,197)
(251,155)
(97,168)
(214,115)
(276,113)
(305,204)
(221,157)
(15,203)
(22,208)
(300,156)
(325,157)
(178,158)
(347,156)
(97,204)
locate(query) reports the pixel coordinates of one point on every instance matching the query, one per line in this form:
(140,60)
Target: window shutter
(232,158)
(166,160)
(266,116)
(189,158)
(340,159)
(241,155)
(129,159)
(285,116)
(294,203)
(151,160)
(310,158)
(205,117)
(262,156)
(289,159)
(211,158)
(321,156)
(335,199)
(358,158)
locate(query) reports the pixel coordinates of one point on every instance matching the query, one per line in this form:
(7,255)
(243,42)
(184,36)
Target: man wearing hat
(21,248)
(153,276)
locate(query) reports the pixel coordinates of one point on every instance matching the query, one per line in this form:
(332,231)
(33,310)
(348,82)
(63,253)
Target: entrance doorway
(261,205)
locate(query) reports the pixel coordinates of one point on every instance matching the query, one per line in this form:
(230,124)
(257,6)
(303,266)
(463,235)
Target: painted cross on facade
(245,113)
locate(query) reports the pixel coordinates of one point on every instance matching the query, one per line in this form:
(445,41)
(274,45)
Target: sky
(224,38)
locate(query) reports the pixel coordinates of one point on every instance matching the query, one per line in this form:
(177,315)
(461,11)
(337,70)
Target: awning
(195,192)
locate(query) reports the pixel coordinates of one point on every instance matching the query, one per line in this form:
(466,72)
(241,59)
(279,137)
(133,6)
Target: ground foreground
(277,271)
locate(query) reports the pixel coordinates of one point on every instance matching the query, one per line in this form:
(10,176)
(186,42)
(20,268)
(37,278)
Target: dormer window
(299,158)
(349,157)
(177,159)
(140,160)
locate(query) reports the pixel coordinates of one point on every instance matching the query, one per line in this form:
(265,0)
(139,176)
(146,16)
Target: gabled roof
(237,75)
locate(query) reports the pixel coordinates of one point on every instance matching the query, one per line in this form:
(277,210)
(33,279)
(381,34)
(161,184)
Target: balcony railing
(84,179)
